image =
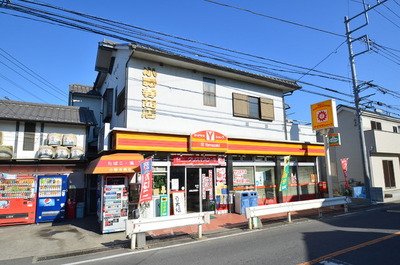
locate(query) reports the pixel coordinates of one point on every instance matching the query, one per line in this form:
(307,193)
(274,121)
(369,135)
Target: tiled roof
(27,111)
(83,89)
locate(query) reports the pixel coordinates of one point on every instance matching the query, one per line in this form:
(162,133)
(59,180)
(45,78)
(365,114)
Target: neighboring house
(43,139)
(85,96)
(210,129)
(382,135)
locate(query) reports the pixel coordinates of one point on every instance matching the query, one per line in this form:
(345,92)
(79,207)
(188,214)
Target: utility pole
(357,87)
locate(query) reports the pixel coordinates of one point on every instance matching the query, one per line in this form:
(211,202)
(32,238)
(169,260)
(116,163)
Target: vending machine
(51,198)
(17,199)
(113,204)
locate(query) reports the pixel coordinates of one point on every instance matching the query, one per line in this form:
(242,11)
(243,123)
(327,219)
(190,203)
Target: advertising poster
(146,192)
(285,174)
(163,205)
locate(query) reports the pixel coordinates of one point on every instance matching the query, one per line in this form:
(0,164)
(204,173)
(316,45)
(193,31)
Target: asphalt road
(366,237)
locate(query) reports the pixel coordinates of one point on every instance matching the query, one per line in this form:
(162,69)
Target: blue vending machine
(52,198)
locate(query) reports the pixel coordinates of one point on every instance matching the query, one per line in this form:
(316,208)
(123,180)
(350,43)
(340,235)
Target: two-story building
(382,135)
(43,139)
(211,130)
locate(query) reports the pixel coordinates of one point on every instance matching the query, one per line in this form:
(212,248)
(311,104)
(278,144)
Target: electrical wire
(130,33)
(279,19)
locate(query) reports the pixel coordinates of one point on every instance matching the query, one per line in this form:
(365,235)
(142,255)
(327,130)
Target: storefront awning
(115,163)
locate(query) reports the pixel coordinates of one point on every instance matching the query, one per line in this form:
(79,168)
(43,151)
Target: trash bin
(80,210)
(71,209)
(242,201)
(359,192)
(253,198)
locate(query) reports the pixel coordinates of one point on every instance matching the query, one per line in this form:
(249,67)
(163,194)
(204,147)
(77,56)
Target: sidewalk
(82,236)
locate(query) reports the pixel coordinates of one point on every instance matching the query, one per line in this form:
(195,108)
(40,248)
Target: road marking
(136,252)
(340,252)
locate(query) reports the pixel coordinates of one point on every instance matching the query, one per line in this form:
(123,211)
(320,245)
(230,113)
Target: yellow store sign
(324,115)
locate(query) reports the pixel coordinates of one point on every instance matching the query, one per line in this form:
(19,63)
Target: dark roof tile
(27,111)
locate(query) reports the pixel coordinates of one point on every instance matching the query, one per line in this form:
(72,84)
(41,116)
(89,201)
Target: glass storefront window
(307,180)
(265,185)
(243,176)
(159,183)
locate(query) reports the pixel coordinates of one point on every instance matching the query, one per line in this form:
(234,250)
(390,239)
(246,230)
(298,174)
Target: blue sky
(63,56)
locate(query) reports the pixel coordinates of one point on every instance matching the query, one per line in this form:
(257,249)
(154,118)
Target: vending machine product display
(113,203)
(17,199)
(52,197)
(115,208)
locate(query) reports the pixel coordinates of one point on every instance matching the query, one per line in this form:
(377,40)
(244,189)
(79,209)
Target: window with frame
(121,102)
(107,104)
(209,92)
(388,173)
(376,125)
(29,136)
(253,107)
(395,129)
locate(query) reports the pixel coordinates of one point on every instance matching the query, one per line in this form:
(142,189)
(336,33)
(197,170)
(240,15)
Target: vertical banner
(285,174)
(344,168)
(146,192)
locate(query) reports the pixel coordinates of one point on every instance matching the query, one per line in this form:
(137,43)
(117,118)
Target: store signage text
(149,103)
(146,191)
(198,160)
(208,140)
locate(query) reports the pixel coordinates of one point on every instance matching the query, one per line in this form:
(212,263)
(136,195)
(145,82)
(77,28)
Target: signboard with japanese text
(149,92)
(198,160)
(208,141)
(324,115)
(146,192)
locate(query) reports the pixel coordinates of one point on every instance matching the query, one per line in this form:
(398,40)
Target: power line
(121,31)
(279,19)
(30,72)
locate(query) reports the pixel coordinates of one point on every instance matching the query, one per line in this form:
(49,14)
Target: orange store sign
(208,140)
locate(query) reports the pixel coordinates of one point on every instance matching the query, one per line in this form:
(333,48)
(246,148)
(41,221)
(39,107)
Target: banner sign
(146,192)
(344,162)
(214,160)
(285,174)
(208,141)
(324,115)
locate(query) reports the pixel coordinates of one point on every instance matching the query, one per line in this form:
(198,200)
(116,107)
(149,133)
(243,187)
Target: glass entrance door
(193,190)
(200,189)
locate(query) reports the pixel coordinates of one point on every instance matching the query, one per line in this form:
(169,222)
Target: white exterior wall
(349,148)
(377,170)
(117,81)
(300,132)
(8,130)
(380,145)
(180,106)
(91,103)
(9,136)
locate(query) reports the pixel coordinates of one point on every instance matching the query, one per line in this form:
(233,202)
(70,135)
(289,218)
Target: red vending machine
(17,199)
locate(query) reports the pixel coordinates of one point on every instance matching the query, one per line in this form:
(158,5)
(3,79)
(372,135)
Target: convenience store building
(211,131)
